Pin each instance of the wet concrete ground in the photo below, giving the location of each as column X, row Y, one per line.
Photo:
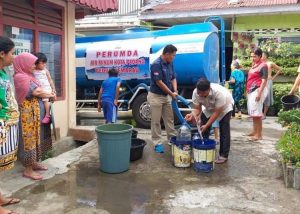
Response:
column 250, row 182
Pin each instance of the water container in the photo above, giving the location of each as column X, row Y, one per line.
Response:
column 290, row 102
column 196, row 136
column 184, row 133
column 114, row 142
column 204, row 153
column 137, row 147
column 181, row 153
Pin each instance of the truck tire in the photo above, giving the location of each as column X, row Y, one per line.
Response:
column 141, row 111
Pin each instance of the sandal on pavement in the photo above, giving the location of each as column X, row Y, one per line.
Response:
column 33, row 177
column 221, row 160
column 254, row 139
column 248, row 134
column 39, row 166
column 11, row 201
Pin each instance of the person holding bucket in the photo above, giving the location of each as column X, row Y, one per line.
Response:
column 218, row 103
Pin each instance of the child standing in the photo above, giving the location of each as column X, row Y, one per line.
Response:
column 216, row 128
column 237, row 82
column 108, row 96
column 44, row 78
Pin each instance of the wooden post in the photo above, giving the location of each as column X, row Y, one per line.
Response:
column 290, row 175
column 284, row 172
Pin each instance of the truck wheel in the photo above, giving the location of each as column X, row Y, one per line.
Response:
column 141, row 111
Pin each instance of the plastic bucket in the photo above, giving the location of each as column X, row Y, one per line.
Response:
column 134, row 133
column 290, row 102
column 181, row 153
column 204, row 153
column 114, row 142
column 137, row 148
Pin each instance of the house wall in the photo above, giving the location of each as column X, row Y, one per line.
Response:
column 248, row 29
column 267, row 21
column 65, row 110
column 111, row 23
column 65, row 107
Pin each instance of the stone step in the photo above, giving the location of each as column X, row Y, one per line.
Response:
column 82, row 133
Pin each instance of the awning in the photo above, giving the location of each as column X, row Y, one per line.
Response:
column 87, row 7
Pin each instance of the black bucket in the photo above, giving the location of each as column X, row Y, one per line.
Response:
column 137, row 147
column 134, row 133
column 290, row 102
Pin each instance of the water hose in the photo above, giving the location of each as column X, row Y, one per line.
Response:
column 177, row 111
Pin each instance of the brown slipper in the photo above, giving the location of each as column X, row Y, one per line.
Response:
column 248, row 134
column 254, row 139
column 221, row 160
column 11, row 201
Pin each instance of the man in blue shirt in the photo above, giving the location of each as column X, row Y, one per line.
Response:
column 108, row 96
column 163, row 89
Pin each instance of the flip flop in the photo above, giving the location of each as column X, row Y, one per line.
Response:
column 11, row 201
column 247, row 134
column 33, row 177
column 254, row 139
column 41, row 167
column 221, row 160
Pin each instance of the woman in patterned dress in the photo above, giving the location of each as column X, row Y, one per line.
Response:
column 9, row 118
column 28, row 92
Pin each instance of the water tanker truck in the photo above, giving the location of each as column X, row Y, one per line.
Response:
column 132, row 53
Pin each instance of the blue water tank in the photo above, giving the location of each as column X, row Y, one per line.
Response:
column 132, row 53
column 136, row 29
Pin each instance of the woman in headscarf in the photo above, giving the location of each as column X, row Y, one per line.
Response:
column 9, row 118
column 237, row 83
column 28, row 92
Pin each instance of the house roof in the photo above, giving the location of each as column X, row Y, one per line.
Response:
column 100, row 6
column 196, row 5
column 170, row 12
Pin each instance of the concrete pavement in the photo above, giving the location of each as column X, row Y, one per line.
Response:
column 250, row 182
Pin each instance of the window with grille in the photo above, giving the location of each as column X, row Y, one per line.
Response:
column 38, row 26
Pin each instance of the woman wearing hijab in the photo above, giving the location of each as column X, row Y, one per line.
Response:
column 28, row 91
column 9, row 118
column 237, row 83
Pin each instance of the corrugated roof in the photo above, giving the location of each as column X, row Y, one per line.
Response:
column 98, row 5
column 196, row 5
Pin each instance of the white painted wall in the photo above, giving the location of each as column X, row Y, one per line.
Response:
column 65, row 110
